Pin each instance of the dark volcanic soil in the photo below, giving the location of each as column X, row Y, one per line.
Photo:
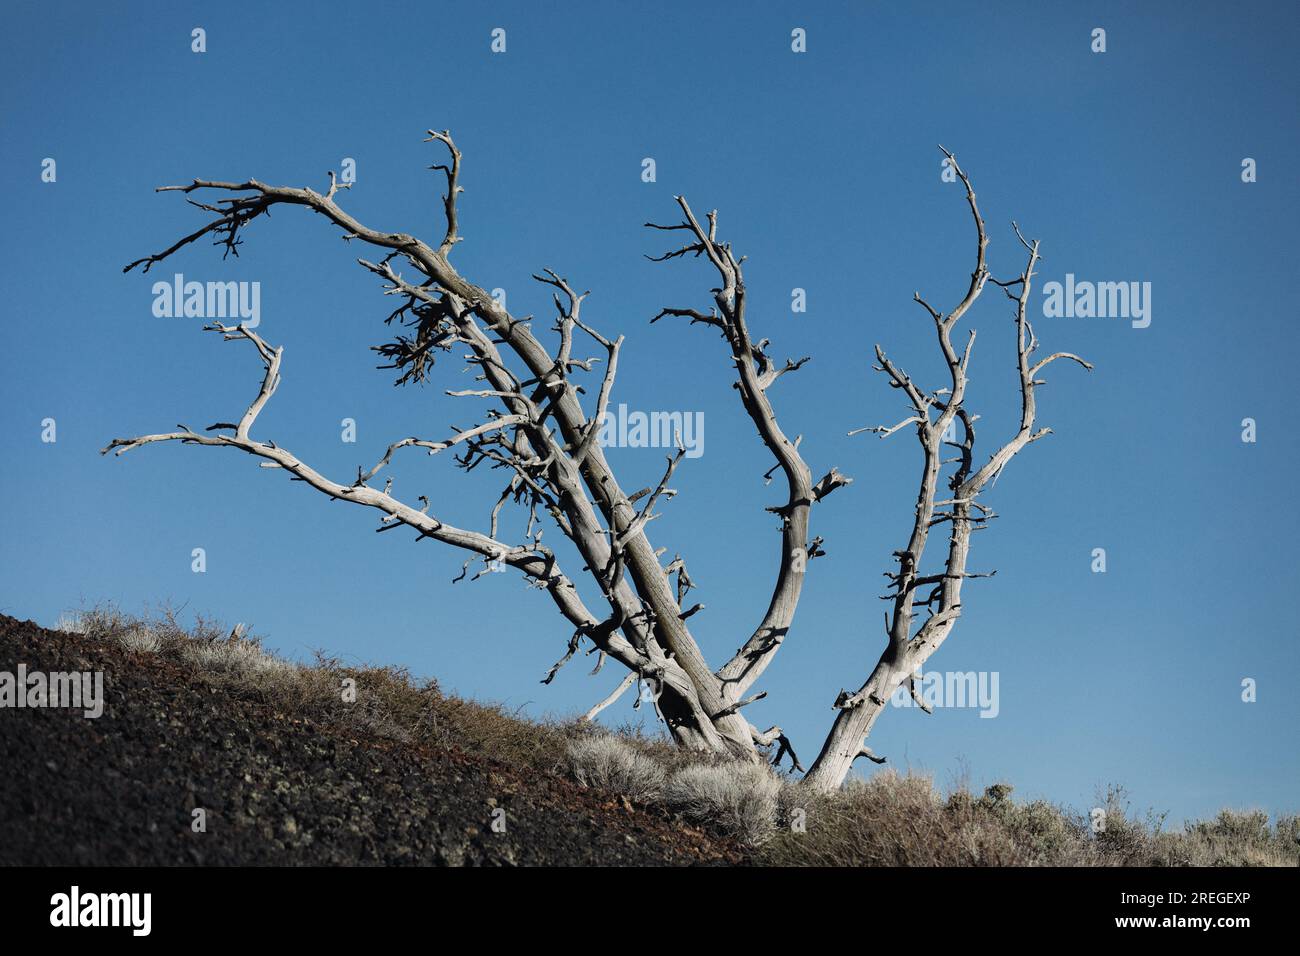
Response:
column 120, row 789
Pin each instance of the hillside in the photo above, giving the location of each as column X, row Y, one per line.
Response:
column 277, row 787
column 286, row 763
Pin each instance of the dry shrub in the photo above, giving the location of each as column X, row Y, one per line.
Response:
column 1233, row 838
column 735, row 798
column 611, row 763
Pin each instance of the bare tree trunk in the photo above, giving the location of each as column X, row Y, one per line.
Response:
column 846, row 741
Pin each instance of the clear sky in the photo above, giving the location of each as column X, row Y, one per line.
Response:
column 823, row 165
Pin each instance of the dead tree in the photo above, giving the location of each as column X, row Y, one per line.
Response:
column 537, row 434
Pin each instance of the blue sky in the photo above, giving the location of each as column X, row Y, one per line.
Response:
column 824, row 167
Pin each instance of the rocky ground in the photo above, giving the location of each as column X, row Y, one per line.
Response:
column 276, row 788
